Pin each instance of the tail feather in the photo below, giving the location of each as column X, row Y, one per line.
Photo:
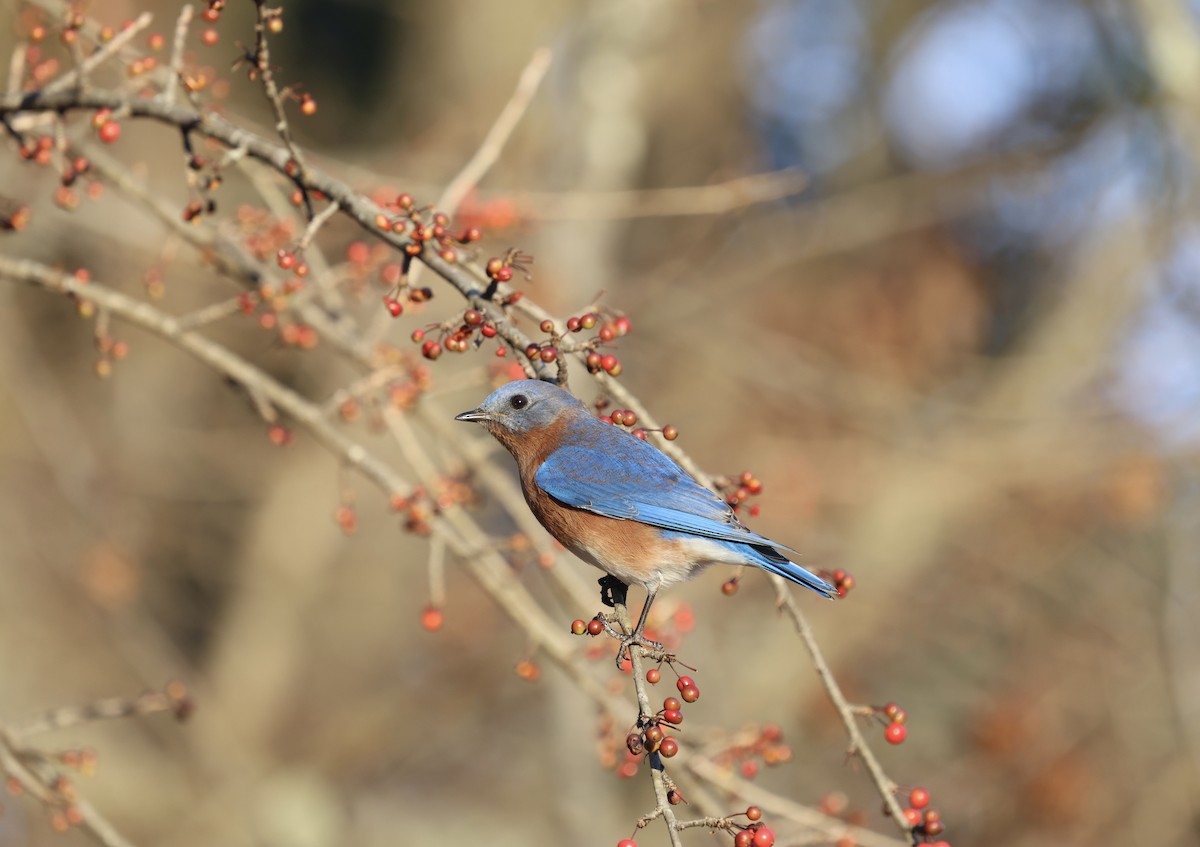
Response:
column 772, row 561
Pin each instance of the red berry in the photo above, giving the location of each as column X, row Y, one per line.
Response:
column 578, row 627
column 210, row 37
column 895, row 733
column 729, row 587
column 622, row 325
column 432, row 618
column 690, row 694
column 418, row 336
column 918, row 798
column 672, row 703
column 653, row 675
column 683, row 682
column 626, row 842
column 110, row 131
column 549, row 354
column 280, row 435
column 547, row 325
column 912, row 817
column 669, row 747
column 595, row 627
column 670, row 433
column 764, row 837
column 673, row 716
column 431, row 350
column 504, row 275
column 754, row 813
column 528, row 671
column 745, row 838
column 393, row 306
column 749, row 769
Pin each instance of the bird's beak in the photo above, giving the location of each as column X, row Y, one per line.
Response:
column 475, row 415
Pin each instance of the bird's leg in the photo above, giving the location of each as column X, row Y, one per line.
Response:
column 637, row 637
column 612, row 590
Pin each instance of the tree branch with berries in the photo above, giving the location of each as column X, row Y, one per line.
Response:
column 278, row 257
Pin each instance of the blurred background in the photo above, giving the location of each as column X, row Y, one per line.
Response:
column 964, row 361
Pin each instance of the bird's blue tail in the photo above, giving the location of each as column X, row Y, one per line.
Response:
column 772, row 561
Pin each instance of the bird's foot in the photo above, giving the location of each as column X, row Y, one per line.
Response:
column 612, row 591
column 651, row 649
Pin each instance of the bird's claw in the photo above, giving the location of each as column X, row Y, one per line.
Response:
column 636, row 640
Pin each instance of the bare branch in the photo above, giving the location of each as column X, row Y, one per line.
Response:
column 493, row 143
column 111, row 48
column 177, row 46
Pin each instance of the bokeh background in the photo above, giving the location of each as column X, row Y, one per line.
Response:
column 964, row 361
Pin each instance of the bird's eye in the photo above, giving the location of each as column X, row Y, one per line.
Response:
column 519, row 401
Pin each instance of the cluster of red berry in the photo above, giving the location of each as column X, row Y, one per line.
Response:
column 925, row 821
column 762, row 747
column 895, row 732
column 738, row 489
column 629, row 418
column 652, row 733
column 840, row 579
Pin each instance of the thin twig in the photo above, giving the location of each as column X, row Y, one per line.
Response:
column 493, row 143
column 316, row 223
column 489, row 150
column 76, row 75
column 832, row 828
column 858, row 745
column 16, row 70
column 33, row 777
column 176, row 66
column 686, row 201
column 109, row 708
column 262, row 66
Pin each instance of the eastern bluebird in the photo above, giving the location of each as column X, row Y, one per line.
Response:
column 617, row 502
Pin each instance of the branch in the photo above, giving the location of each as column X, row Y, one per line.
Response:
column 498, row 135
column 77, row 76
column 858, row 745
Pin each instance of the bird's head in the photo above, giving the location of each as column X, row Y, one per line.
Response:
column 520, row 408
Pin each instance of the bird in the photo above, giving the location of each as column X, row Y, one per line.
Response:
column 618, row 502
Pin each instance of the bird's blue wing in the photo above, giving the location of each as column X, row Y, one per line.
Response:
column 624, row 478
